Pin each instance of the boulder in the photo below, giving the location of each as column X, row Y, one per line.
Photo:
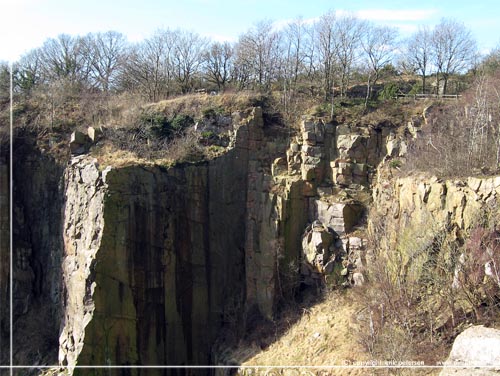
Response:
column 342, row 217
column 316, row 243
column 478, row 347
column 312, row 151
column 358, row 279
column 94, row 133
column 414, row 127
column 79, row 143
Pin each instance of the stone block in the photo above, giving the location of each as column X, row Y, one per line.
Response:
column 329, row 128
column 474, row 183
column 94, row 133
column 307, row 126
column 309, row 138
column 312, row 160
column 355, row 243
column 343, row 130
column 312, row 151
column 79, row 143
column 320, row 133
column 78, row 137
column 342, row 217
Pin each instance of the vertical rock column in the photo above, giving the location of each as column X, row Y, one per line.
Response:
column 261, row 243
column 83, row 228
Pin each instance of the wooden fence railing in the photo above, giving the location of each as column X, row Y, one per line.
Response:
column 428, row 96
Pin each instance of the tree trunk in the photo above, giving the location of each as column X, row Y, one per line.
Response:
column 445, row 84
column 368, row 90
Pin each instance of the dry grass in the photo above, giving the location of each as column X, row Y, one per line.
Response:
column 194, row 104
column 324, row 335
column 110, row 156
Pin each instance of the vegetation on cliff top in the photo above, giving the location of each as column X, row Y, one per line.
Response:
column 339, row 67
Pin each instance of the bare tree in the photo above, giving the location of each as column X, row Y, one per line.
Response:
column 418, row 53
column 144, row 70
column 378, row 44
column 348, row 33
column 258, row 52
column 106, row 53
column 295, row 44
column 310, row 52
column 454, row 50
column 326, row 50
column 219, row 63
column 149, row 68
column 64, row 58
column 187, row 57
column 29, row 71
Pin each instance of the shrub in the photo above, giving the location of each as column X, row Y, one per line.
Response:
column 463, row 137
column 426, row 284
column 389, row 91
column 185, row 148
column 207, row 134
column 212, row 112
column 155, row 125
column 180, row 122
column 417, row 88
column 395, row 163
column 324, row 109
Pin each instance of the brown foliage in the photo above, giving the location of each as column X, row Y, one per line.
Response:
column 463, row 138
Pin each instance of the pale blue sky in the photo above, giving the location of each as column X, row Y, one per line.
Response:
column 28, row 23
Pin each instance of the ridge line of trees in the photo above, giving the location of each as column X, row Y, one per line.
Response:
column 320, row 58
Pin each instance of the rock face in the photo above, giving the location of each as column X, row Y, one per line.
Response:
column 432, row 205
column 333, row 165
column 456, row 202
column 158, row 262
column 37, row 254
column 474, row 348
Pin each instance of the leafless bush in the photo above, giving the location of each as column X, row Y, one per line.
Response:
column 425, row 284
column 463, row 138
column 408, row 300
column 477, row 274
column 185, row 148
